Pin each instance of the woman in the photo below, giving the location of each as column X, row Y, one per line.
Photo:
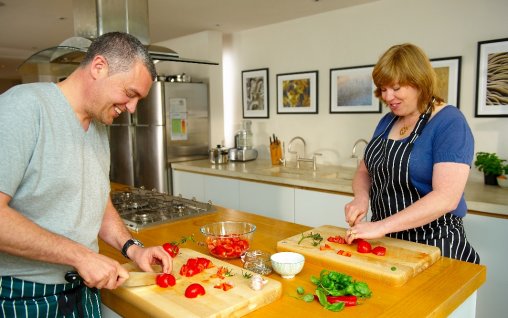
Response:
column 416, row 166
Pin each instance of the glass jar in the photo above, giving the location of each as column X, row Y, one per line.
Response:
column 257, row 261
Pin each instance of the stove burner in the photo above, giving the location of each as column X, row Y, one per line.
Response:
column 140, row 208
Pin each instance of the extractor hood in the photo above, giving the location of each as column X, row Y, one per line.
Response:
column 93, row 18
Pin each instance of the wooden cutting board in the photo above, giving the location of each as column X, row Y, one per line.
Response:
column 171, row 301
column 403, row 259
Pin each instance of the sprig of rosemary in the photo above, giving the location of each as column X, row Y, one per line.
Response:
column 316, row 238
column 184, row 239
column 246, row 275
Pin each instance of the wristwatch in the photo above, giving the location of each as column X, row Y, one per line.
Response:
column 128, row 244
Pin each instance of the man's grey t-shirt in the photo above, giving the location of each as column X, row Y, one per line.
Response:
column 56, row 172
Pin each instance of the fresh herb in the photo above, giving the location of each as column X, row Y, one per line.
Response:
column 316, row 238
column 246, row 275
column 184, row 239
column 393, row 268
column 228, row 272
column 338, row 284
column 306, row 298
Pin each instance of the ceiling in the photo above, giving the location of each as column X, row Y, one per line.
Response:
column 27, row 26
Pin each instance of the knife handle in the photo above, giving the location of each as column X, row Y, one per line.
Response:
column 72, row 277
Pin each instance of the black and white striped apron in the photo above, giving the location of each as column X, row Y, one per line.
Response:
column 25, row 299
column 391, row 191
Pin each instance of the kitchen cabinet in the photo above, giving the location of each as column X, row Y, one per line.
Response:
column 189, row 185
column 268, row 200
column 314, row 208
column 222, row 191
column 488, row 235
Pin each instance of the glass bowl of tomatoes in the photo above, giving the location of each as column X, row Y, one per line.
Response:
column 228, row 239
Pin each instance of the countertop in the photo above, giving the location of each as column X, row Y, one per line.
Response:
column 435, row 292
column 481, row 199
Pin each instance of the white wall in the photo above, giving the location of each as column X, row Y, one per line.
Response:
column 358, row 36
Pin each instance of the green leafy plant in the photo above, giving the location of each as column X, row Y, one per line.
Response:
column 490, row 164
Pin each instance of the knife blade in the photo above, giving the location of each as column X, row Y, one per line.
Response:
column 135, row 278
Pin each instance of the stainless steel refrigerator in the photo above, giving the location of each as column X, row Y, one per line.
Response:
column 170, row 125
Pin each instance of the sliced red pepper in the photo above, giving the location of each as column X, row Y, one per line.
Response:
column 379, row 250
column 337, row 239
column 325, row 247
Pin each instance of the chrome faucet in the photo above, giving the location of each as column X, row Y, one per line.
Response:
column 359, row 141
column 291, row 144
column 313, row 160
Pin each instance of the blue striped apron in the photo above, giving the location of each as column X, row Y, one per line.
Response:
column 25, row 299
column 391, row 191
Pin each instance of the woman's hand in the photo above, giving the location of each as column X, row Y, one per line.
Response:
column 356, row 210
column 365, row 230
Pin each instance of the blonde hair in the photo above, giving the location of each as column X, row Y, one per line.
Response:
column 407, row 64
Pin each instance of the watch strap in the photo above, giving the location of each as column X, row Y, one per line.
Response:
column 128, row 244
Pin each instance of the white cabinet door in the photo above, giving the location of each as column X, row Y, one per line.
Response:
column 222, row 191
column 488, row 236
column 313, row 208
column 189, row 185
column 267, row 199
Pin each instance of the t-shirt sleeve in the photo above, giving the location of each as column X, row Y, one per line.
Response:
column 18, row 134
column 454, row 141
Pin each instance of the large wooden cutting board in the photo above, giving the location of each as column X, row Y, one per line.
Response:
column 171, row 301
column 403, row 259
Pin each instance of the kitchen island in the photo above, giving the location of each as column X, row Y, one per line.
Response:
column 436, row 292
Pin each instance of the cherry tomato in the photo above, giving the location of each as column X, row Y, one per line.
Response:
column 363, row 247
column 379, row 250
column 227, row 247
column 337, row 239
column 194, row 290
column 171, row 249
column 195, row 266
column 164, row 280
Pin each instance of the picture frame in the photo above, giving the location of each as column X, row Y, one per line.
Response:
column 448, row 70
column 492, row 79
column 297, row 93
column 352, row 90
column 255, row 93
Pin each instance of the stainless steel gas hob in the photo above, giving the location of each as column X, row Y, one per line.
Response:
column 141, row 208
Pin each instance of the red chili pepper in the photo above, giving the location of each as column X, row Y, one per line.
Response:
column 349, row 300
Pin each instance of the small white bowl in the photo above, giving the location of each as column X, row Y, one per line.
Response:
column 503, row 181
column 287, row 264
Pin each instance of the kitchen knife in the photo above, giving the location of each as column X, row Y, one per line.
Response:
column 135, row 278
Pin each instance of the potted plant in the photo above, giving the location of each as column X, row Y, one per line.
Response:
column 491, row 166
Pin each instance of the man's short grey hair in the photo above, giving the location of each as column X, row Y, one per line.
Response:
column 120, row 50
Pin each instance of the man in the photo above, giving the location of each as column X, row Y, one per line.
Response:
column 54, row 184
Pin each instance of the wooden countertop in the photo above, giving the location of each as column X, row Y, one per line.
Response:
column 436, row 292
column 481, row 199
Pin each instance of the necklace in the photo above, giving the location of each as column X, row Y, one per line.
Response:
column 403, row 130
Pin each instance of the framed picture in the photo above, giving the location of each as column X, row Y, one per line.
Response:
column 352, row 90
column 492, row 79
column 297, row 93
column 255, row 93
column 448, row 78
